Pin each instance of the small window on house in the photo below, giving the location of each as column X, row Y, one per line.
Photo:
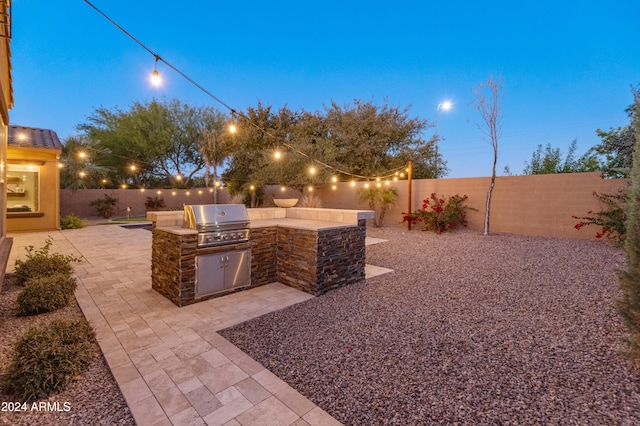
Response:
column 23, row 188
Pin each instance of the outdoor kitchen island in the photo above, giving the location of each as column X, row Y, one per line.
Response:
column 310, row 249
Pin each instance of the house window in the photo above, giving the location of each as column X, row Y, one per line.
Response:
column 23, row 188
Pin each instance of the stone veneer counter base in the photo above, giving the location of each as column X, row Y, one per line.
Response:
column 313, row 250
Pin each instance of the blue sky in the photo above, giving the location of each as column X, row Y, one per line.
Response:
column 567, row 66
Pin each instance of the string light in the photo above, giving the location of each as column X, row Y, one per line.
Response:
column 312, row 170
column 277, row 155
column 211, row 95
column 155, row 77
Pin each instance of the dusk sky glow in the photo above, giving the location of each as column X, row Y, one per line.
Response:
column 567, row 66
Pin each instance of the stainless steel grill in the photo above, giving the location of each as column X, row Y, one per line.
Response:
column 217, row 224
column 220, row 225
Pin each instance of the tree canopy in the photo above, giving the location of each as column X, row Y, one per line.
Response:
column 151, row 144
column 363, row 139
column 549, row 160
column 618, row 144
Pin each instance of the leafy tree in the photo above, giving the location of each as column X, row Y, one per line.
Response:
column 489, row 110
column 261, row 134
column 152, row 142
column 363, row 139
column 79, row 170
column 618, row 144
column 370, row 138
column 550, row 161
column 629, row 303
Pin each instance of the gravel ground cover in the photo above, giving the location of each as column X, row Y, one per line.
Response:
column 502, row 329
column 92, row 398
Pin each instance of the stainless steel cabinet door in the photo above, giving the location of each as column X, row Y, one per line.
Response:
column 238, row 268
column 210, row 273
column 222, row 271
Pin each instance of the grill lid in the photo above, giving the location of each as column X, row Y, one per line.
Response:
column 203, row 217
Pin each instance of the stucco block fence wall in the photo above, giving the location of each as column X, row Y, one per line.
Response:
column 539, row 205
column 529, row 205
column 77, row 202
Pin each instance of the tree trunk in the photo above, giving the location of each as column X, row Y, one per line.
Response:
column 488, row 205
column 215, row 184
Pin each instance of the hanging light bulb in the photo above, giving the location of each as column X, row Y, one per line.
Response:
column 334, row 187
column 155, row 77
column 310, row 188
column 334, row 179
column 277, row 155
column 312, row 170
column 283, row 188
column 232, row 128
column 353, row 183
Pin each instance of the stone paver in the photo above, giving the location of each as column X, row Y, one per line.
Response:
column 170, row 363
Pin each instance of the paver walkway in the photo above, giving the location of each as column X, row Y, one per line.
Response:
column 170, row 363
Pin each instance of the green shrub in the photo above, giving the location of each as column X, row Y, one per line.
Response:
column 380, row 199
column 46, row 357
column 41, row 263
column 440, row 215
column 311, row 201
column 71, row 221
column 611, row 219
column 46, row 294
column 104, row 206
column 154, row 204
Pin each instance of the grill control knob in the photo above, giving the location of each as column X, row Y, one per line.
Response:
column 225, row 237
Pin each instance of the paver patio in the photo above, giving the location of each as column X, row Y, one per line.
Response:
column 170, row 363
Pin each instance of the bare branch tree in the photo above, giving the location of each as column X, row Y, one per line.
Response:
column 489, row 109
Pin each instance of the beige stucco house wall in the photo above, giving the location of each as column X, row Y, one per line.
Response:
column 6, row 102
column 32, row 179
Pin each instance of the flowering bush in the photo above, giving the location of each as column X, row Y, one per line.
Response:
column 611, row 220
column 439, row 215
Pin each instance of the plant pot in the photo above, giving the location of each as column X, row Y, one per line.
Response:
column 285, row 202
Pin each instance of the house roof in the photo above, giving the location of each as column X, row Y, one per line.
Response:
column 29, row 137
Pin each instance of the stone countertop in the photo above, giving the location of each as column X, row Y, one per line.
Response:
column 297, row 218
column 308, row 224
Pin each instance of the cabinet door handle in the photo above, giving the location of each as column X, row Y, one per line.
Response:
column 222, row 264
